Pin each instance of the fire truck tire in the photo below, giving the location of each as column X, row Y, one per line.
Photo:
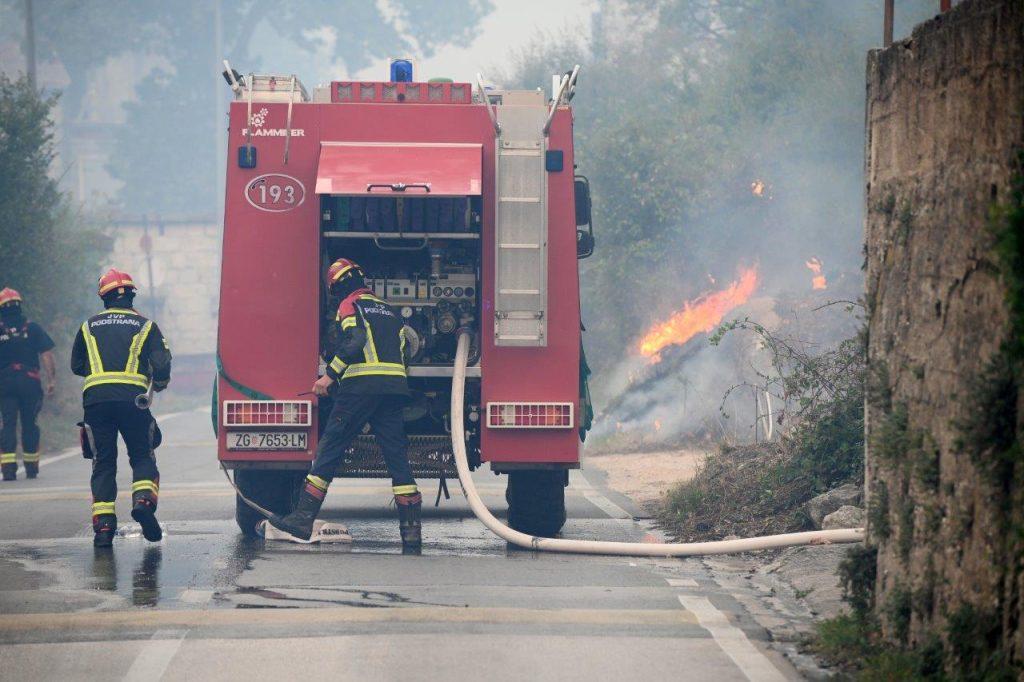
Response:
column 276, row 491
column 536, row 502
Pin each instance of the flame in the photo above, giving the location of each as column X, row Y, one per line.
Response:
column 759, row 188
column 818, row 281
column 700, row 315
column 657, row 425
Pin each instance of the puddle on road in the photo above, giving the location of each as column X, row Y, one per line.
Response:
column 199, row 564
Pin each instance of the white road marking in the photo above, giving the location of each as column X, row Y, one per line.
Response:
column 604, row 504
column 76, row 452
column 192, row 596
column 754, row 664
column 67, row 454
column 156, row 655
column 682, row 582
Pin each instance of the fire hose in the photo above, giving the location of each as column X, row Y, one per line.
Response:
column 818, row 537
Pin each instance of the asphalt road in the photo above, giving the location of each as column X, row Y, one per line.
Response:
column 207, row 604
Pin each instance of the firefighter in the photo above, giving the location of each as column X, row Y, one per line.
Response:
column 368, row 376
column 121, row 353
column 24, row 348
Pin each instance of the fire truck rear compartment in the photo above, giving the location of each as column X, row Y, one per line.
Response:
column 422, row 255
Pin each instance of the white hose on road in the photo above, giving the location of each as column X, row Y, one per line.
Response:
column 818, row 537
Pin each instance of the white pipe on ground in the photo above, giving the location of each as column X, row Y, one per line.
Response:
column 818, row 537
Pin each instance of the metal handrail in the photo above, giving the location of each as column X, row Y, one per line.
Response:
column 490, row 112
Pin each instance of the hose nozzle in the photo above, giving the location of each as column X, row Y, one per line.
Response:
column 144, row 400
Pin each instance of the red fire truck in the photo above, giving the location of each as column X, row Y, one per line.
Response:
column 463, row 208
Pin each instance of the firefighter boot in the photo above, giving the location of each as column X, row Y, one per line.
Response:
column 31, row 464
column 144, row 511
column 409, row 507
column 300, row 522
column 104, row 524
column 9, row 466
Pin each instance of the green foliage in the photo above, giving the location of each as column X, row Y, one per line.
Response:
column 761, row 489
column 891, row 439
column 857, row 574
column 167, row 154
column 676, row 121
column 45, row 252
column 1006, row 222
column 905, row 506
column 878, row 511
column 897, row 611
column 845, row 641
column 975, row 649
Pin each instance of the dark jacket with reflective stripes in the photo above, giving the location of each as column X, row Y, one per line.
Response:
column 119, row 352
column 370, row 358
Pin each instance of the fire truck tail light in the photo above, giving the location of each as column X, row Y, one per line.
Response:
column 267, row 413
column 529, row 415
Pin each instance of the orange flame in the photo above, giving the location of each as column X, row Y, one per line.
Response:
column 700, row 315
column 757, row 188
column 818, row 281
column 657, row 425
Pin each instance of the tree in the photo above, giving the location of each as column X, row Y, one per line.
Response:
column 47, row 256
column 167, row 153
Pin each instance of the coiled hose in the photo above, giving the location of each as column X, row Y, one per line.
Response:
column 818, row 537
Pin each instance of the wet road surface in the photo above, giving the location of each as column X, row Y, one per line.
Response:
column 206, row 603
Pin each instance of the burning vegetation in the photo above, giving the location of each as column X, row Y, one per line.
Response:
column 818, row 281
column 700, row 315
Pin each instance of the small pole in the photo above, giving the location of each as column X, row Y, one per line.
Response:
column 30, row 45
column 887, row 24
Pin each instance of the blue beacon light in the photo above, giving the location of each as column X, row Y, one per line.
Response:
column 401, row 71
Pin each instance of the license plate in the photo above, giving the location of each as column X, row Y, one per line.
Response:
column 267, row 440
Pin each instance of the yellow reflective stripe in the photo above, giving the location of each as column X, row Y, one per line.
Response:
column 99, row 508
column 401, row 342
column 145, row 485
column 135, row 350
column 370, row 348
column 318, row 482
column 95, row 361
column 337, row 364
column 140, row 380
column 8, row 457
column 349, row 321
column 122, row 311
column 392, row 369
column 341, row 272
column 30, row 456
column 404, row 489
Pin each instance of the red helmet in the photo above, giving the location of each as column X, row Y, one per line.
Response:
column 8, row 296
column 115, row 279
column 341, row 269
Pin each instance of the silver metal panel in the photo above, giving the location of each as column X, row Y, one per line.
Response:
column 521, row 230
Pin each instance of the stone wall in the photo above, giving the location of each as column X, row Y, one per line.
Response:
column 944, row 128
column 185, row 265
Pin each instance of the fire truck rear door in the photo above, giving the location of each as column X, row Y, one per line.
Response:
column 435, row 170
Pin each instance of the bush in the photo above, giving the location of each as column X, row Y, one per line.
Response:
column 759, row 489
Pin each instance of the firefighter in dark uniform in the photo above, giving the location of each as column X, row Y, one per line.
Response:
column 368, row 376
column 120, row 353
column 24, row 348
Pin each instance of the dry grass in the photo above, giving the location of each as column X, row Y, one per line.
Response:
column 745, row 491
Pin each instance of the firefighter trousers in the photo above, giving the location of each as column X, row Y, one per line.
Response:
column 137, row 428
column 21, row 396
column 384, row 414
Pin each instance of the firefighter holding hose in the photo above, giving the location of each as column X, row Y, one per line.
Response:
column 368, row 375
column 121, row 354
column 27, row 370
